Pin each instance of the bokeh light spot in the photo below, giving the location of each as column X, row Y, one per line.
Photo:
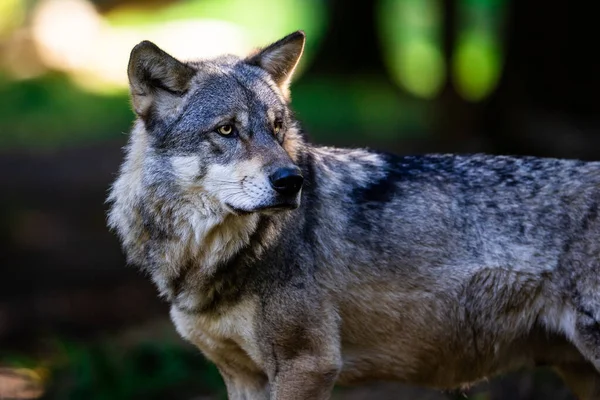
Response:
column 476, row 67
column 412, row 44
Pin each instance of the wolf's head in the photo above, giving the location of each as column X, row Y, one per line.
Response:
column 219, row 128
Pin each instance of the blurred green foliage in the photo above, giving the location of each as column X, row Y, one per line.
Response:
column 478, row 55
column 411, row 36
column 50, row 111
column 348, row 109
column 262, row 19
column 160, row 368
column 103, row 370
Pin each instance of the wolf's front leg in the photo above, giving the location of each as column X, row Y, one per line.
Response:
column 243, row 386
column 302, row 340
column 305, row 378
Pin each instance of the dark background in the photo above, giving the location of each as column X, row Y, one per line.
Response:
column 412, row 76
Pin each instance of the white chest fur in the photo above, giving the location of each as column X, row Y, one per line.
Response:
column 230, row 337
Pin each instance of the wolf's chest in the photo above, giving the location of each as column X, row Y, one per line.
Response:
column 229, row 337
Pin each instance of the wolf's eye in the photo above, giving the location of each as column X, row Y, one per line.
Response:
column 277, row 126
column 225, row 130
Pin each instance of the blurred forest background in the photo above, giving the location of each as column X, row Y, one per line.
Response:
column 411, row 76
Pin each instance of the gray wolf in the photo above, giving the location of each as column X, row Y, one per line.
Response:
column 294, row 266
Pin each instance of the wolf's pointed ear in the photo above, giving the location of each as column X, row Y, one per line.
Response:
column 280, row 59
column 156, row 78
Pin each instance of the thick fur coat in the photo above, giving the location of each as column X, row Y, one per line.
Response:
column 436, row 270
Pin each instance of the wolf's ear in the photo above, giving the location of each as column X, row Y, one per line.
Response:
column 280, row 59
column 156, row 78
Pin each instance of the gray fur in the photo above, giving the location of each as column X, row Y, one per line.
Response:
column 436, row 270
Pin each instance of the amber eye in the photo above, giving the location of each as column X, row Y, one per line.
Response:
column 225, row 130
column 277, row 126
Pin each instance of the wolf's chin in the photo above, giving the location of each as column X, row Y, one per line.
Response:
column 236, row 210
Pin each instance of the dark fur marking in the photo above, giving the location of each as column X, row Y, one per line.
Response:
column 310, row 200
column 161, row 130
column 214, row 146
column 377, row 194
column 154, row 124
column 157, row 83
column 231, row 280
column 590, row 216
column 295, row 340
column 380, row 191
column 177, row 284
column 235, row 277
column 155, row 230
column 408, row 168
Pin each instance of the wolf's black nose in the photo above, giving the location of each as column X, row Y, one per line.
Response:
column 287, row 181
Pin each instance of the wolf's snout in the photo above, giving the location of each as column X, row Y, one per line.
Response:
column 287, row 181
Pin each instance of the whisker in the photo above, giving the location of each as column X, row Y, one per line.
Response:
column 226, row 181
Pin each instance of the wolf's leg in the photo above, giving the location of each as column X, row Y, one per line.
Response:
column 582, row 323
column 302, row 345
column 577, row 284
column 582, row 379
column 243, row 386
column 305, row 378
column 586, row 337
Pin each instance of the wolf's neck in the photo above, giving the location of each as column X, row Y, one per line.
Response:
column 200, row 241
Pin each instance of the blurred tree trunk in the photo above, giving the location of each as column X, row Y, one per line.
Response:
column 547, row 101
column 455, row 127
column 351, row 45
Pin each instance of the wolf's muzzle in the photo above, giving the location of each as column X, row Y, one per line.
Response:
column 287, row 181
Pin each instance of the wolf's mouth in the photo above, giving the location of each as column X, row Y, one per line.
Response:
column 270, row 208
